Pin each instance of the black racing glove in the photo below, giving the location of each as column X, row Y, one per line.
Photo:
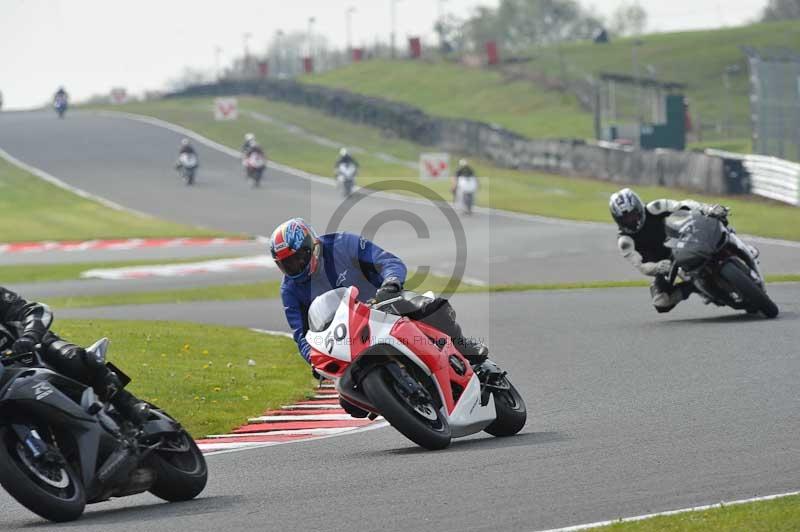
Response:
column 720, row 212
column 23, row 344
column 390, row 288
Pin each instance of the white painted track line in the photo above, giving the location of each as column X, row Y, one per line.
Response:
column 598, row 524
column 309, row 418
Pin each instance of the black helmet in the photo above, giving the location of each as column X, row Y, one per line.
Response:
column 627, row 210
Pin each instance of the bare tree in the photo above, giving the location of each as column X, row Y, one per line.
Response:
column 629, row 19
column 781, row 10
column 520, row 24
column 188, row 77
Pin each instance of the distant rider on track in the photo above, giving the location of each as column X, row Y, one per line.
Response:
column 345, row 158
column 249, row 144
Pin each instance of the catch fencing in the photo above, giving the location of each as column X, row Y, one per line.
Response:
column 713, row 173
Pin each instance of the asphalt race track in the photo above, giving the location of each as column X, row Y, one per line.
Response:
column 130, row 163
column 630, row 412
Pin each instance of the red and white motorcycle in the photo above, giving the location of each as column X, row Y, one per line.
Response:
column 254, row 166
column 408, row 371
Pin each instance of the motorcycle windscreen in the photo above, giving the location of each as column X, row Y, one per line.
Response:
column 697, row 240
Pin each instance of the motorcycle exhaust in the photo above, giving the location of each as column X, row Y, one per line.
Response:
column 118, row 466
column 140, row 481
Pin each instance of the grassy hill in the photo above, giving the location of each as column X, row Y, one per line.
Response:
column 455, row 91
column 697, row 58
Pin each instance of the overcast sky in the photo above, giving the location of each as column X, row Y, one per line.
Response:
column 90, row 46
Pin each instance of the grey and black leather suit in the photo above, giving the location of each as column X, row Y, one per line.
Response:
column 32, row 321
column 646, row 251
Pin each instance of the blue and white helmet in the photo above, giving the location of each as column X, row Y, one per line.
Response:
column 628, row 211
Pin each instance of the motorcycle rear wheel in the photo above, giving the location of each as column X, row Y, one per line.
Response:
column 432, row 434
column 180, row 475
column 57, row 494
column 748, row 289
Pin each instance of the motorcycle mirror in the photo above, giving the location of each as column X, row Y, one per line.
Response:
column 98, row 350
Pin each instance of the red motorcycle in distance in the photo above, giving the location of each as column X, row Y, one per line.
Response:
column 254, row 165
column 408, row 371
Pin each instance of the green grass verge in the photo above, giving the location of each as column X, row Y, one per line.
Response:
column 778, row 515
column 36, row 273
column 271, row 289
column 527, row 192
column 32, row 209
column 200, row 373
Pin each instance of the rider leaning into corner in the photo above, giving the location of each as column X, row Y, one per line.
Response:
column 642, row 232
column 313, row 265
column 29, row 324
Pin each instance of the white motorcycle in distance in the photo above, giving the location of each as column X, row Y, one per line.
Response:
column 187, row 167
column 466, row 188
column 254, row 165
column 346, row 177
column 408, row 371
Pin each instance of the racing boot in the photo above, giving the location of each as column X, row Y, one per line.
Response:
column 109, row 388
column 685, row 289
column 352, row 409
column 473, row 350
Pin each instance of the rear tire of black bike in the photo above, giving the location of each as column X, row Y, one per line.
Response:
column 752, row 294
column 179, row 476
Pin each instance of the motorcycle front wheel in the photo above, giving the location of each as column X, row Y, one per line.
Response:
column 421, row 423
column 750, row 292
column 52, row 490
column 511, row 411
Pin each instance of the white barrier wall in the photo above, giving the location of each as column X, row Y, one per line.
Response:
column 770, row 177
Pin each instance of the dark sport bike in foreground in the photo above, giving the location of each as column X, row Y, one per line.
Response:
column 62, row 448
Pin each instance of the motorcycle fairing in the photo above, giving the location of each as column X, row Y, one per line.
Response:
column 37, row 391
column 387, row 334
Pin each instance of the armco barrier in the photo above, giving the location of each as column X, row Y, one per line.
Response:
column 704, row 172
column 769, row 176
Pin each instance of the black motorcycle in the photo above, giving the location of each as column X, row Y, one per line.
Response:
column 62, row 448
column 704, row 253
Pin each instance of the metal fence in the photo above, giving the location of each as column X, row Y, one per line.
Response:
column 775, row 102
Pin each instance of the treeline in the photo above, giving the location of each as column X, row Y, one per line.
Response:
column 517, row 25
